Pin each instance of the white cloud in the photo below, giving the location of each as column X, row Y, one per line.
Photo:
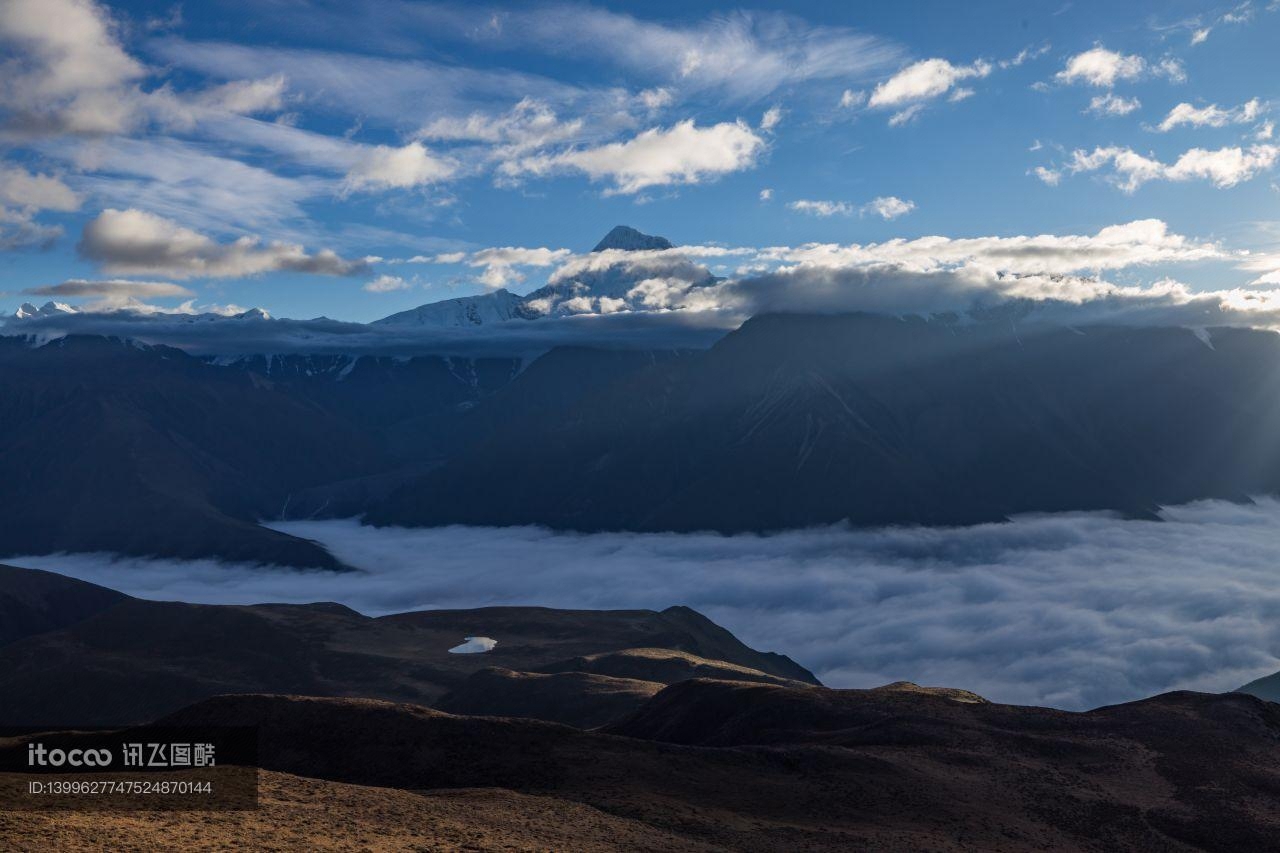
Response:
column 924, row 80
column 681, row 154
column 67, row 71
column 1211, row 116
column 247, row 97
column 1071, row 611
column 386, row 284
column 135, row 242
column 500, row 264
column 1224, row 167
column 850, row 98
column 742, row 54
column 23, row 195
column 770, row 119
column 905, row 116
column 1139, row 243
column 1052, row 177
column 656, row 98
column 1101, row 67
column 32, row 191
column 888, row 207
column 384, row 166
column 1201, row 35
column 185, row 182
column 529, row 125
column 766, row 194
column 1112, row 104
column 821, row 208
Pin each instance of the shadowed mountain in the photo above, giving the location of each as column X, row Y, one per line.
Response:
column 797, row 420
column 34, row 602
column 127, row 660
column 764, row 767
column 108, row 446
column 116, row 447
column 1267, row 687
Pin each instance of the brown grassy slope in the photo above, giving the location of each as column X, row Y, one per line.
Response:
column 831, row 770
column 312, row 814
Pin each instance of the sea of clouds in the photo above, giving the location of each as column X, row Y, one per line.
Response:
column 1067, row 610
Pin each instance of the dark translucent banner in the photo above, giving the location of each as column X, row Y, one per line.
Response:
column 152, row 768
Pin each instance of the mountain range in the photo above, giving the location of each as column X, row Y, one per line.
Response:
column 790, row 420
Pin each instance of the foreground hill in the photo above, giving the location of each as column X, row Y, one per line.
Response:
column 799, row 420
column 76, row 653
column 771, row 768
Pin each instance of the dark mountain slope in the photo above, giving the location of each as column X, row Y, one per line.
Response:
column 107, row 446
column 128, row 660
column 800, row 420
column 842, row 770
column 33, row 602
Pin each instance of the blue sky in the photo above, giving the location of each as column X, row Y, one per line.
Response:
column 297, row 155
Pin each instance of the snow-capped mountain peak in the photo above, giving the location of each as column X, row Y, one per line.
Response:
column 628, row 239
column 27, row 311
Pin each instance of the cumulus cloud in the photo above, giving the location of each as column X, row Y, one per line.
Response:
column 1104, row 68
column 924, row 80
column 65, row 71
column 1112, row 104
column 770, row 119
column 23, row 195
column 681, row 154
column 888, row 207
column 1070, row 611
column 1211, row 115
column 386, row 166
column 135, row 242
column 1224, row 167
column 500, row 264
column 34, row 191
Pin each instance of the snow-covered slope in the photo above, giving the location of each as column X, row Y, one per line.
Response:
column 630, row 240
column 496, row 307
column 27, row 311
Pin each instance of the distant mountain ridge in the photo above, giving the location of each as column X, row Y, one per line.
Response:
column 800, row 420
